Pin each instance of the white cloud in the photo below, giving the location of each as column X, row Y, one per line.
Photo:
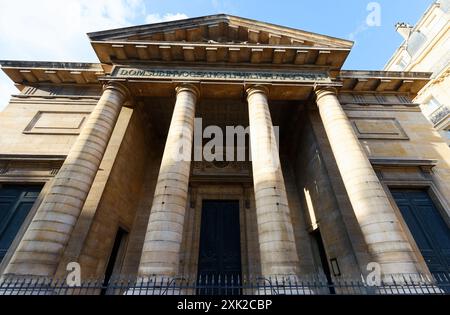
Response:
column 157, row 18
column 6, row 89
column 56, row 29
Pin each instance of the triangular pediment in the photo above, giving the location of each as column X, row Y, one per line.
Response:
column 221, row 38
column 220, row 28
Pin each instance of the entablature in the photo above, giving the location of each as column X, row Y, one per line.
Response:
column 29, row 73
column 57, row 77
column 383, row 81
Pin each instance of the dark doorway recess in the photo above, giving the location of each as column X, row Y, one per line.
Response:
column 427, row 226
column 116, row 258
column 219, row 263
column 323, row 259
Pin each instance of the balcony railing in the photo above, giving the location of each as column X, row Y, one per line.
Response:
column 228, row 285
column 439, row 114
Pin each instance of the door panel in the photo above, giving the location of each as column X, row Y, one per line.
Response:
column 427, row 226
column 220, row 251
column 15, row 204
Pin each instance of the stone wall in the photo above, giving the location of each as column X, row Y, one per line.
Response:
column 420, row 141
column 45, row 126
column 302, row 237
column 139, row 227
column 324, row 199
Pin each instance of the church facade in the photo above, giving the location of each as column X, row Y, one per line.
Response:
column 219, row 145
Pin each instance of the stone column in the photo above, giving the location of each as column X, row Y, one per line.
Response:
column 44, row 241
column 275, row 230
column 160, row 254
column 381, row 229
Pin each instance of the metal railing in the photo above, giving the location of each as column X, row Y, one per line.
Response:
column 227, row 285
column 439, row 114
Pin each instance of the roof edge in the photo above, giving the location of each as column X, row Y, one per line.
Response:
column 103, row 33
column 100, row 35
column 384, row 74
column 50, row 64
column 346, row 42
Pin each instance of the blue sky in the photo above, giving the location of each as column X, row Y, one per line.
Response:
column 55, row 29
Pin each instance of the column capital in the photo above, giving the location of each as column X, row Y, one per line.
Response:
column 188, row 87
column 118, row 86
column 324, row 90
column 258, row 88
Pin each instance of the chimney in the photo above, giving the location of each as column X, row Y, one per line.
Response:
column 404, row 29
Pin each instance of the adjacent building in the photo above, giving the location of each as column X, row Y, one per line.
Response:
column 426, row 47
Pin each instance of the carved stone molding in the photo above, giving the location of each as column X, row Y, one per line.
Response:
column 378, row 128
column 27, row 168
column 57, row 123
column 401, row 169
column 223, row 170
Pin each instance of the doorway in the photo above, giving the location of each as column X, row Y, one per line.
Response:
column 323, row 259
column 116, row 257
column 427, row 226
column 219, row 263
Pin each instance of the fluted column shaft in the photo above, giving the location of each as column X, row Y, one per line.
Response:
column 381, row 229
column 275, row 230
column 161, row 251
column 43, row 243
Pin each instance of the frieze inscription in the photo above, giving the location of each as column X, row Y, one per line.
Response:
column 189, row 74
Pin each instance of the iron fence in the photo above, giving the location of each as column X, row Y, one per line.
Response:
column 227, row 285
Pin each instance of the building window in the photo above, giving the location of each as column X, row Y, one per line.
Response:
column 402, row 63
column 416, row 43
column 15, row 203
column 446, row 134
column 431, row 105
column 428, row 24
